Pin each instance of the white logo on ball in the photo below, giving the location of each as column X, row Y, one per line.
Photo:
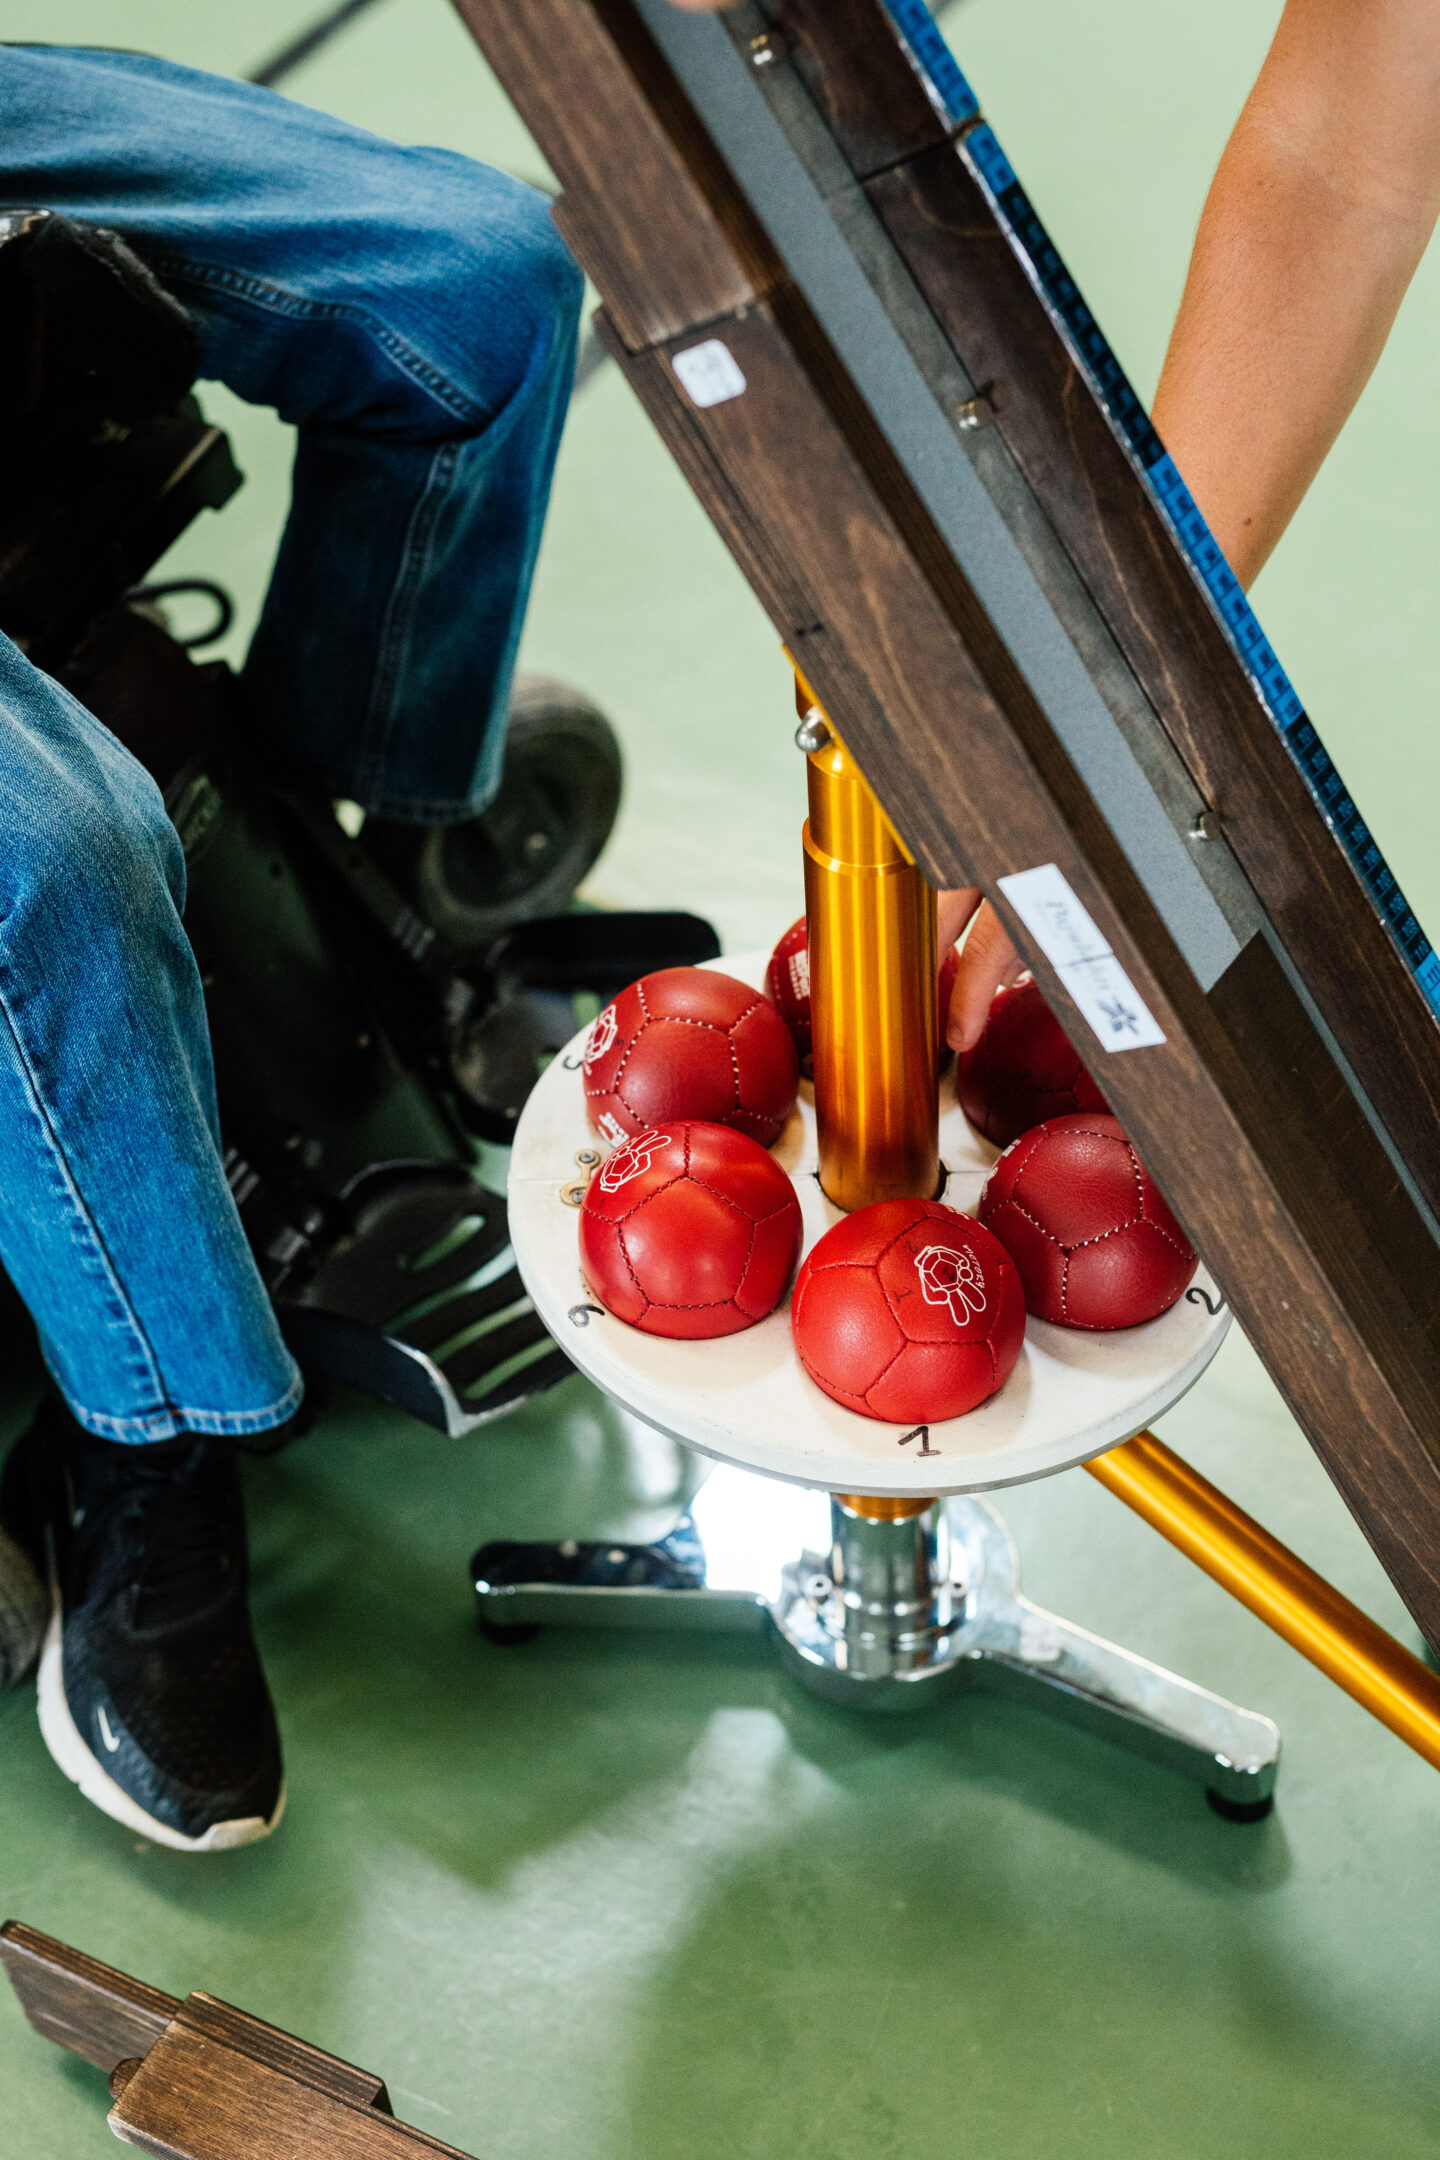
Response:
column 602, row 1034
column 632, row 1161
column 952, row 1278
column 611, row 1128
column 800, row 972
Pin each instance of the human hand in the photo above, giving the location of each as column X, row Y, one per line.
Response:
column 987, row 960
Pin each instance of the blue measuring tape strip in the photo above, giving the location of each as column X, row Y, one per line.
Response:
column 954, row 98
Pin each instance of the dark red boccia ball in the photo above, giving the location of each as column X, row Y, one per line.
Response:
column 1081, row 1218
column 689, row 1230
column 690, row 1043
column 1023, row 1070
column 908, row 1311
column 787, row 985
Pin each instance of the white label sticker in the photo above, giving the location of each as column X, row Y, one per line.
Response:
column 710, row 373
column 1084, row 962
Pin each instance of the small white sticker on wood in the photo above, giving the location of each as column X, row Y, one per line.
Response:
column 1070, row 941
column 710, row 373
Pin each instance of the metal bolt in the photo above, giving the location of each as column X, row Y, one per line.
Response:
column 813, row 732
column 766, row 49
column 588, row 1157
column 573, row 1195
column 1206, row 826
column 980, row 410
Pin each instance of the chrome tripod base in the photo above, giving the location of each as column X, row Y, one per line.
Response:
column 881, row 1616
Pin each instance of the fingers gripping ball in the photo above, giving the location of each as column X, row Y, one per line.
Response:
column 1023, row 1070
column 690, row 1230
column 689, row 1043
column 787, row 985
column 1077, row 1212
column 949, row 969
column 910, row 1312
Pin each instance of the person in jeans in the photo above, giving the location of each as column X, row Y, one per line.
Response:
column 414, row 315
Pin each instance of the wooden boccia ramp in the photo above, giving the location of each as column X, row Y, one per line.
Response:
column 827, row 287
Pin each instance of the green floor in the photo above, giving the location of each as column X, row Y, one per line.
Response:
column 626, row 1900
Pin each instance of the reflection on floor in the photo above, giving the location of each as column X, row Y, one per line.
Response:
column 609, row 1898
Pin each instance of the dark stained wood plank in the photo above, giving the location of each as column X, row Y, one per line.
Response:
column 116, row 2023
column 281, row 2051
column 776, row 581
column 878, row 113
column 663, row 232
column 193, row 2098
column 1341, row 1188
column 80, row 2004
column 944, row 229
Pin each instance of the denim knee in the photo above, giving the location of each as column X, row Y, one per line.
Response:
column 86, row 847
column 553, row 282
column 540, row 284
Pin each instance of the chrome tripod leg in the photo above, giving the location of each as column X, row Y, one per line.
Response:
column 1025, row 1651
column 882, row 1616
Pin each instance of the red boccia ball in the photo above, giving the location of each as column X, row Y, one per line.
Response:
column 787, row 985
column 690, row 1043
column 1023, row 1069
column 1079, row 1215
column 908, row 1311
column 689, row 1230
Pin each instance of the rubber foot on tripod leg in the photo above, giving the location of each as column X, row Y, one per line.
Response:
column 1240, row 1811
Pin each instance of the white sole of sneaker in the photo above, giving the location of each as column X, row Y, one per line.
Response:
column 62, row 1737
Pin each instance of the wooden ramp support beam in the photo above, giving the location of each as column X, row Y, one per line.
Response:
column 199, row 2080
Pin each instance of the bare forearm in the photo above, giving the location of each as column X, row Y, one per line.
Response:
column 1319, row 213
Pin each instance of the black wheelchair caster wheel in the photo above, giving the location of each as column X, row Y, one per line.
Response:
column 524, row 856
column 1239, row 1811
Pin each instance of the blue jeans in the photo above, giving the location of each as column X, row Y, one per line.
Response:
column 413, row 314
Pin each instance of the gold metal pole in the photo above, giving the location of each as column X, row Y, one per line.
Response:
column 872, row 1004
column 1287, row 1595
column 871, row 918
column 876, row 1508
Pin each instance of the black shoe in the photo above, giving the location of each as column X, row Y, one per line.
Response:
column 151, row 1694
column 23, row 1606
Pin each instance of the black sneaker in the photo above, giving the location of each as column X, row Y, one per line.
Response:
column 23, row 1606
column 151, row 1694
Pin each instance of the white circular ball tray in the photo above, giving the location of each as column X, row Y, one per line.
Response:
column 746, row 1399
